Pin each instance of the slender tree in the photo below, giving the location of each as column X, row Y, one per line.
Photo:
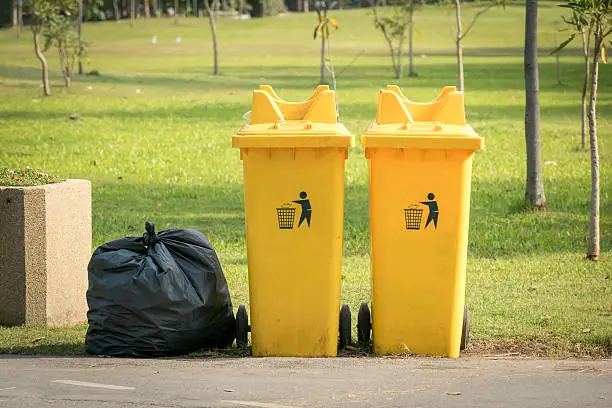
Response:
column 411, row 71
column 41, row 11
column 322, row 28
column 18, row 16
column 583, row 26
column 132, row 12
column 61, row 32
column 585, row 36
column 597, row 16
column 211, row 9
column 461, row 34
column 396, row 22
column 15, row 19
column 80, row 31
column 116, row 10
column 534, row 191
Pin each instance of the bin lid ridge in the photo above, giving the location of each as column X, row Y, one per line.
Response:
column 276, row 123
column 438, row 124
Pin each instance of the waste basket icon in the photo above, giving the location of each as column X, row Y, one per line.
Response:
column 413, row 217
column 294, row 154
column 419, row 226
column 286, row 216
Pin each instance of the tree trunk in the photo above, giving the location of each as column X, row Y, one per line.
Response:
column 305, row 6
column 147, row 9
column 585, row 87
column 213, row 31
column 64, row 63
column 176, row 6
column 400, row 60
column 132, row 12
column 67, row 79
column 15, row 19
column 116, row 10
column 333, row 78
column 459, row 46
column 43, row 63
column 410, row 53
column 534, row 191
column 558, row 62
column 322, row 79
column 20, row 14
column 593, row 249
column 79, row 28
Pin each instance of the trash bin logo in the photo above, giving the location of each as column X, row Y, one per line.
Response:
column 286, row 216
column 286, row 213
column 414, row 214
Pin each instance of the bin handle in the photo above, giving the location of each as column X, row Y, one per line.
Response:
column 409, row 125
column 307, row 124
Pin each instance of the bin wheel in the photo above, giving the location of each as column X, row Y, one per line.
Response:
column 364, row 325
column 242, row 327
column 345, row 326
column 465, row 334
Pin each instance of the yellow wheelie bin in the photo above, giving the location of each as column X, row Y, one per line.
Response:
column 293, row 158
column 419, row 187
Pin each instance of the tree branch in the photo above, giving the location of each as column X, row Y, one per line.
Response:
column 480, row 13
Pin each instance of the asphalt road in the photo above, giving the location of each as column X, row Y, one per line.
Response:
column 292, row 382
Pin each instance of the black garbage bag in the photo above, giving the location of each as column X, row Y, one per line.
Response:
column 157, row 295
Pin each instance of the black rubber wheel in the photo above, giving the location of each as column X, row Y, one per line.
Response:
column 242, row 327
column 465, row 334
column 364, row 325
column 344, row 327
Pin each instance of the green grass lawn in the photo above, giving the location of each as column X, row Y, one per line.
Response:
column 155, row 140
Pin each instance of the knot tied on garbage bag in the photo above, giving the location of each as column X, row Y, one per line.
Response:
column 150, row 237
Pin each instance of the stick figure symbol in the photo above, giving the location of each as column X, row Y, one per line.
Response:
column 306, row 208
column 433, row 210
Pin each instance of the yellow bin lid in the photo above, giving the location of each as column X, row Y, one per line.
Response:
column 274, row 122
column 289, row 134
column 421, row 135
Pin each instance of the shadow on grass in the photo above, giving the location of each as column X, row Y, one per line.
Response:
column 123, row 208
column 479, row 76
column 489, row 52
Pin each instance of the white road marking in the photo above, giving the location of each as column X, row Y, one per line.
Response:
column 93, row 385
column 9, row 388
column 257, row 404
